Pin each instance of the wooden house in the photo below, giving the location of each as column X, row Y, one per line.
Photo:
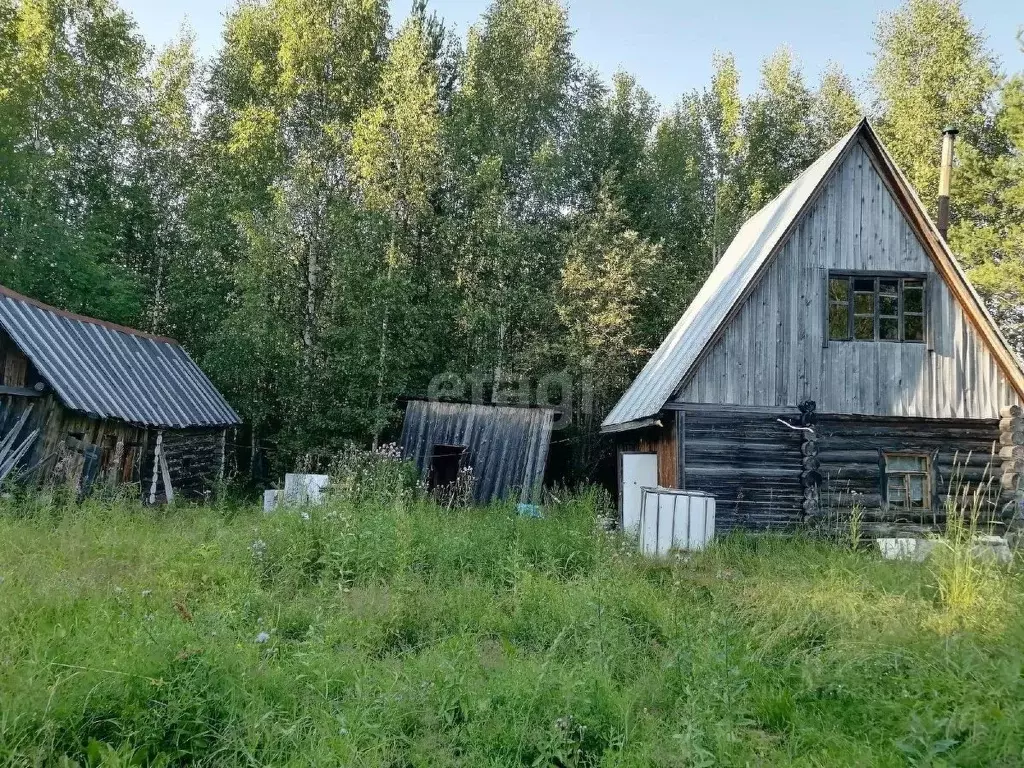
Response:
column 104, row 404
column 836, row 359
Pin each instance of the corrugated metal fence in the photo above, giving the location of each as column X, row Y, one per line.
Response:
column 506, row 446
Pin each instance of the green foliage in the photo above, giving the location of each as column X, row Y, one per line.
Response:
column 335, row 209
column 932, row 69
column 374, row 633
column 71, row 105
column 380, row 473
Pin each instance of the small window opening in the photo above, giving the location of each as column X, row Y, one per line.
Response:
column 445, row 462
column 908, row 481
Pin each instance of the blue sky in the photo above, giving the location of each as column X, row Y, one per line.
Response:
column 667, row 44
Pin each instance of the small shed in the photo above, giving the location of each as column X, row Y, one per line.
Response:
column 107, row 404
column 506, row 446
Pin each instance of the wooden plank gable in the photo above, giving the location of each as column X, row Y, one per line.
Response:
column 772, row 350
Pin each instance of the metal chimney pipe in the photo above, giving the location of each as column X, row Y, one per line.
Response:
column 945, row 173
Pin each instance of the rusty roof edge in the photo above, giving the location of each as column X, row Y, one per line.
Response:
column 11, row 294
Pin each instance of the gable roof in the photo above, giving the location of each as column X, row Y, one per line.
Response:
column 746, row 260
column 110, row 371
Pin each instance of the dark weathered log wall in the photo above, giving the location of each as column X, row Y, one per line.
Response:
column 750, row 462
column 195, row 461
column 964, row 454
column 72, row 448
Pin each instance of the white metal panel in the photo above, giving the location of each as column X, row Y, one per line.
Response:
column 639, row 471
column 666, row 520
column 675, row 520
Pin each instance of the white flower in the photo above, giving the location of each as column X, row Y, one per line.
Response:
column 262, row 637
column 147, row 592
column 258, row 548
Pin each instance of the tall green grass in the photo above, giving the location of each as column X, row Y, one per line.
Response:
column 400, row 634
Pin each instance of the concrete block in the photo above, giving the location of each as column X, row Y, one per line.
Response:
column 271, row 499
column 994, row 547
column 304, row 489
column 913, row 549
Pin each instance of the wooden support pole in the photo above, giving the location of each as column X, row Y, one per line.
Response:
column 223, row 453
column 166, row 475
column 156, row 466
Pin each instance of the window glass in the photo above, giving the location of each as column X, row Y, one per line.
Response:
column 839, row 289
column 898, row 462
column 913, row 328
column 864, row 328
column 908, row 481
column 865, row 308
column 864, row 303
column 839, row 321
column 913, row 299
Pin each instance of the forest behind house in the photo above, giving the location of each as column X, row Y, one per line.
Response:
column 339, row 206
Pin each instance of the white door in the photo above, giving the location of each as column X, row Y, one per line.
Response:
column 639, row 470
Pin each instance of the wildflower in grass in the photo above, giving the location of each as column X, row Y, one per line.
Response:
column 147, row 592
column 258, row 549
column 262, row 637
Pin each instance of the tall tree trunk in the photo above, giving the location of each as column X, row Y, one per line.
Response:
column 383, row 356
column 309, row 313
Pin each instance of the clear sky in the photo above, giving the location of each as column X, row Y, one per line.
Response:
column 667, row 44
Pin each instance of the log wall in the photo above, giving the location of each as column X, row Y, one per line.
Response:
column 75, row 449
column 195, row 460
column 751, row 463
column 767, row 476
column 963, row 453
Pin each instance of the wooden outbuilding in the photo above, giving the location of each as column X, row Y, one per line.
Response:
column 836, row 364
column 102, row 404
column 504, row 446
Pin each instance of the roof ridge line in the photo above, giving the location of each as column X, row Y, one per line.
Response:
column 11, row 294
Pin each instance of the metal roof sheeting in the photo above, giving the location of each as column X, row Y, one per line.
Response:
column 741, row 263
column 111, row 372
column 507, row 446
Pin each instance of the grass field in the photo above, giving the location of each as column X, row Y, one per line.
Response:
column 401, row 635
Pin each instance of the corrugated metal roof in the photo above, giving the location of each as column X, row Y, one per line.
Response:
column 740, row 264
column 112, row 372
